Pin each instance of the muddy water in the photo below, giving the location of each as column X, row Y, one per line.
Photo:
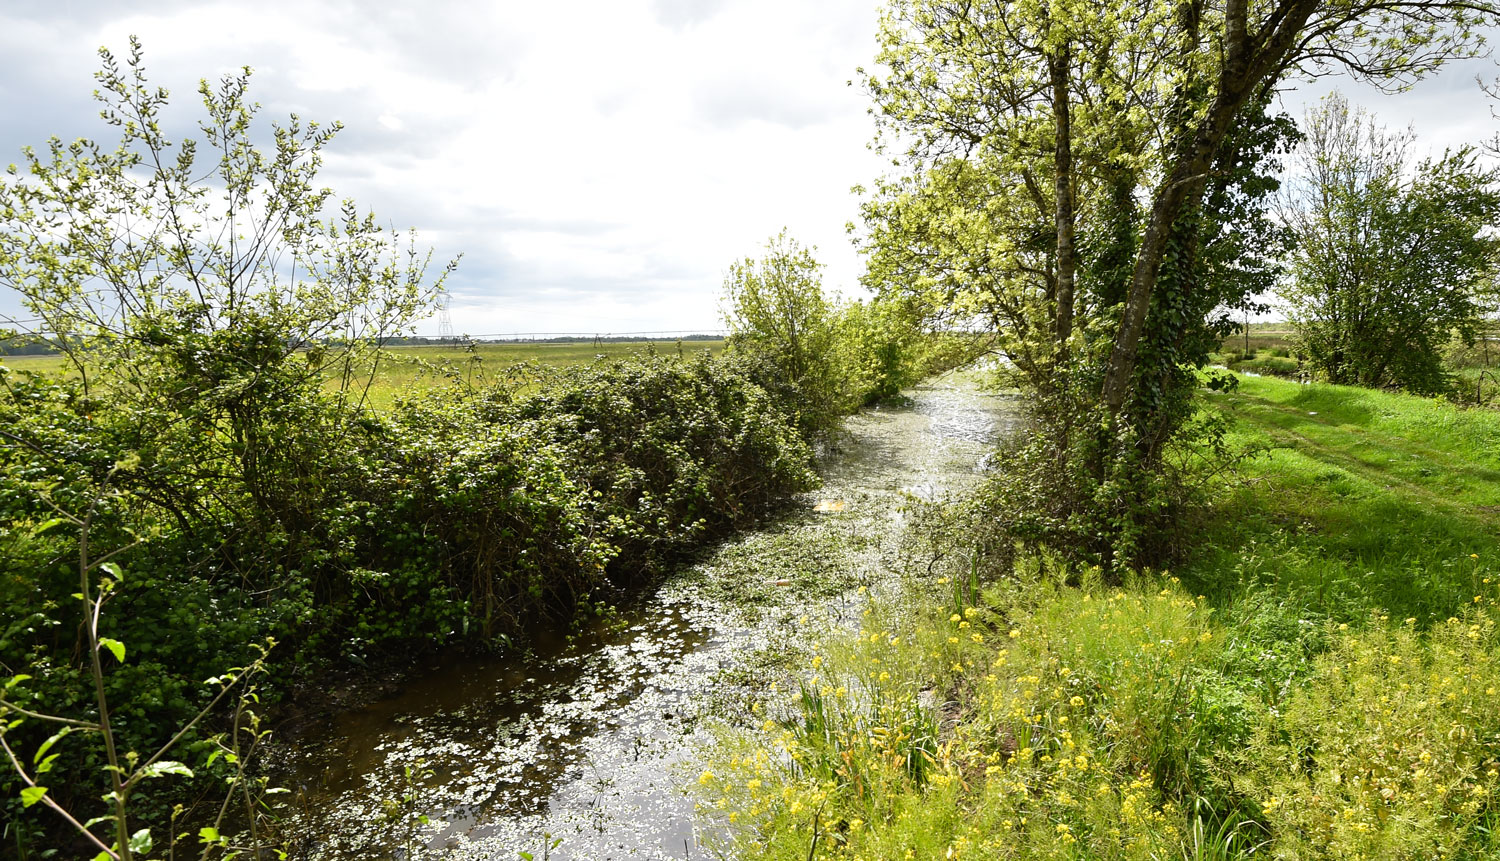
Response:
column 582, row 751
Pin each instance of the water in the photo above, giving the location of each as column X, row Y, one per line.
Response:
column 582, row 750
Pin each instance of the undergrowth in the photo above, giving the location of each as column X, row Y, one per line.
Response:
column 1320, row 680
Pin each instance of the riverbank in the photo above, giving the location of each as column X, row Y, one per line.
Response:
column 590, row 740
column 1319, row 680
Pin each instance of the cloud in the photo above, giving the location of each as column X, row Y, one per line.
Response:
column 682, row 14
column 598, row 164
column 601, row 162
column 1446, row 110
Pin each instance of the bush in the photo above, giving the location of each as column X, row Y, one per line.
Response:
column 462, row 514
column 668, row 453
column 1270, row 365
column 822, row 358
column 1391, row 749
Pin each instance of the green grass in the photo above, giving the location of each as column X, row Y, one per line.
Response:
column 410, row 368
column 1320, row 680
column 407, row 369
column 1361, row 499
column 40, row 364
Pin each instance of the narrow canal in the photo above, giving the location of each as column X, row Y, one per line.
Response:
column 581, row 751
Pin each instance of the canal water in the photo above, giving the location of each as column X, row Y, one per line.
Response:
column 582, row 750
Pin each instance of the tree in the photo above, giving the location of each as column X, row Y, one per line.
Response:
column 1391, row 258
column 776, row 311
column 1091, row 179
column 221, row 315
column 213, row 292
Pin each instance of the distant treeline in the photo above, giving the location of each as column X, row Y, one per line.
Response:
column 27, row 346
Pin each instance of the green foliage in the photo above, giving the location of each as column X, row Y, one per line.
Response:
column 216, row 381
column 821, row 357
column 981, row 232
column 1391, row 257
column 670, row 453
column 1088, row 183
column 1036, row 722
column 1389, row 750
column 777, row 313
column 460, row 514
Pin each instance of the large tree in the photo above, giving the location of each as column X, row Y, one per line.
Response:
column 1090, row 179
column 1391, row 258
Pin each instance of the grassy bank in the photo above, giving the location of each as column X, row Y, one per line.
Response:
column 1363, row 499
column 1318, row 680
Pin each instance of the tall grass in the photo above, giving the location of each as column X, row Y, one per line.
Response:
column 1320, row 680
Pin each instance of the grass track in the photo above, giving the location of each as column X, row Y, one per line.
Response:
column 1364, row 499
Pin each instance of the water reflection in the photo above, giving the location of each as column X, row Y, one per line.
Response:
column 584, row 742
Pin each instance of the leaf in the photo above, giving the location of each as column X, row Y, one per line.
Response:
column 115, row 647
column 114, row 570
column 32, row 794
column 165, row 767
column 16, row 680
column 140, row 842
column 46, row 525
column 208, row 834
column 47, row 745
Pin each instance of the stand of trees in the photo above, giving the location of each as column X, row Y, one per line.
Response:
column 1091, row 181
column 1391, row 257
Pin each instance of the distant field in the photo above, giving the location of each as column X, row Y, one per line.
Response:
column 427, row 366
column 406, row 368
column 32, row 363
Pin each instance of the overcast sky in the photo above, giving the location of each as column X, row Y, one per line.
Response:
column 598, row 164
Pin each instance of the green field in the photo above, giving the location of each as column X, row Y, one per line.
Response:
column 407, row 368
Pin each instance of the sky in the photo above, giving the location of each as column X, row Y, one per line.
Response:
column 599, row 164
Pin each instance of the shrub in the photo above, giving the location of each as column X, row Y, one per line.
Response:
column 669, row 453
column 1391, row 749
column 462, row 514
column 776, row 312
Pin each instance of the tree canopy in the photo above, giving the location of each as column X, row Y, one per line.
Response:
column 1091, row 181
column 1391, row 256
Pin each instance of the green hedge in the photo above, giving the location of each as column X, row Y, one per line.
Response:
column 462, row 514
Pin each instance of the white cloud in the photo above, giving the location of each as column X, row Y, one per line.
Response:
column 599, row 164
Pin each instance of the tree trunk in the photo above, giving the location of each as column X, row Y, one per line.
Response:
column 1067, row 253
column 1249, row 60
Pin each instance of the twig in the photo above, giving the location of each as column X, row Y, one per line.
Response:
column 7, row 704
column 47, row 800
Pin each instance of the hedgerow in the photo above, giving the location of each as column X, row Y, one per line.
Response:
column 464, row 514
